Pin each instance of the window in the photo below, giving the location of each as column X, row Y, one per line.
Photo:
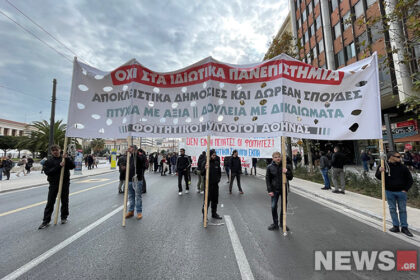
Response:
column 308, row 58
column 376, row 31
column 362, row 41
column 318, row 22
column 321, row 46
column 303, row 15
column 315, row 2
column 310, row 8
column 346, row 20
column 337, row 30
column 350, row 51
column 306, row 36
column 302, row 43
column 314, row 53
column 358, row 9
column 384, row 74
column 334, row 5
column 299, row 24
column 312, row 29
column 370, row 2
column 339, row 59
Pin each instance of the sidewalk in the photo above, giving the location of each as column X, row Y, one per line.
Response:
column 366, row 205
column 35, row 178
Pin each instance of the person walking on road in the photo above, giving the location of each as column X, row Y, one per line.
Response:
column 274, row 182
column 254, row 166
column 235, row 171
column 29, row 165
column 337, row 163
column 200, row 166
column 135, row 182
column 52, row 168
column 398, row 181
column 324, row 165
column 22, row 164
column 122, row 164
column 226, row 162
column 215, row 174
column 7, row 166
column 183, row 165
column 2, row 160
column 365, row 159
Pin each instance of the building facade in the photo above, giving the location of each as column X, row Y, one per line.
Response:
column 333, row 33
column 12, row 128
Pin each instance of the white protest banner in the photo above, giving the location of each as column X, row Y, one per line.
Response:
column 278, row 97
column 224, row 146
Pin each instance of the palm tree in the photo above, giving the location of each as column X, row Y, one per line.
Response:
column 39, row 139
column 97, row 145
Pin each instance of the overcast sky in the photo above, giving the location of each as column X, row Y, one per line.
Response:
column 161, row 35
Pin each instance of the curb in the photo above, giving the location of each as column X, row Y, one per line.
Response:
column 41, row 184
column 357, row 210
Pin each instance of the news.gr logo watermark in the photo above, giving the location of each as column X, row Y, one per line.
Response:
column 365, row 260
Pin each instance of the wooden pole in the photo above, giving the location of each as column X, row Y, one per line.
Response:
column 283, row 163
column 127, row 173
column 206, row 193
column 381, row 149
column 60, row 184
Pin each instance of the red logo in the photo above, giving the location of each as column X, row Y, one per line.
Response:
column 406, row 260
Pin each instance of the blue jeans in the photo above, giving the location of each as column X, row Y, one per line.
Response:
column 365, row 166
column 134, row 196
column 401, row 198
column 324, row 172
column 274, row 203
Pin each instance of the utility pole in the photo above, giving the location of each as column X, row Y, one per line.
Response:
column 52, row 120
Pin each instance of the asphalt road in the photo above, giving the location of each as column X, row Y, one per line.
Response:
column 170, row 241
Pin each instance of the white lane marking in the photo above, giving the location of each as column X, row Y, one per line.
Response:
column 243, row 264
column 33, row 263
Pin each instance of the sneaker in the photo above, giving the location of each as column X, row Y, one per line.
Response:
column 406, row 231
column 139, row 216
column 129, row 214
column 342, row 192
column 394, row 229
column 273, row 227
column 216, row 216
column 63, row 221
column 202, row 192
column 241, row 192
column 187, row 191
column 180, row 193
column 325, row 188
column 336, row 191
column 43, row 225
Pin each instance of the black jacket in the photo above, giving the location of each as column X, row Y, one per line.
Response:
column 226, row 161
column 235, row 165
column 201, row 162
column 324, row 162
column 52, row 169
column 400, row 179
column 215, row 172
column 137, row 169
column 122, row 163
column 182, row 163
column 274, row 176
column 338, row 160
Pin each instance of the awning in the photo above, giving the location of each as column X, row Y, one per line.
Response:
column 413, row 138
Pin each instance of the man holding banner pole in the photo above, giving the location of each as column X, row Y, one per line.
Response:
column 274, row 182
column 53, row 169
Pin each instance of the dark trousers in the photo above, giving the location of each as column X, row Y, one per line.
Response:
column 185, row 174
column 7, row 174
column 213, row 198
column 52, row 195
column 255, row 170
column 274, row 212
column 238, row 180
